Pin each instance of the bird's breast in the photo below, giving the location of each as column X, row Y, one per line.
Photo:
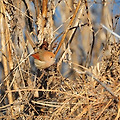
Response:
column 40, row 64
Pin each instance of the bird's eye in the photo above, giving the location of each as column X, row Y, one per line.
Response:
column 51, row 57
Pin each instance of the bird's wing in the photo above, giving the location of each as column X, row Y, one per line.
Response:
column 38, row 55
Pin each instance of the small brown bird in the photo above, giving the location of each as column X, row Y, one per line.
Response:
column 43, row 59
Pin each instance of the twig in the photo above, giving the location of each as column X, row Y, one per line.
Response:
column 115, row 34
column 70, row 23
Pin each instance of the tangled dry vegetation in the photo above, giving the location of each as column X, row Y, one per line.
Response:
column 83, row 84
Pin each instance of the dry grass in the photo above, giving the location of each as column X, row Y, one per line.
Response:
column 83, row 84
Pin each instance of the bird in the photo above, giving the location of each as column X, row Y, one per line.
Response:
column 43, row 58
